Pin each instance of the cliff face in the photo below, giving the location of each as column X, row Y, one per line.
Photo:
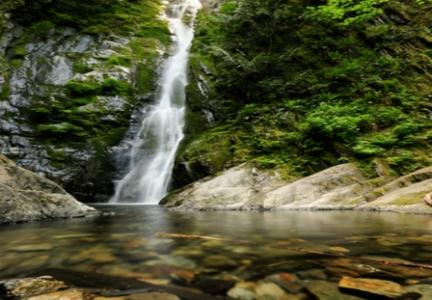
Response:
column 297, row 86
column 72, row 76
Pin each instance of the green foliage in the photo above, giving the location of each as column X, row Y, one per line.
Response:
column 366, row 149
column 228, row 7
column 307, row 86
column 348, row 12
column 336, row 122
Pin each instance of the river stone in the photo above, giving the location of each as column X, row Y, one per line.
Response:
column 260, row 290
column 270, row 291
column 372, row 286
column 287, row 281
column 99, row 253
column 152, row 296
column 324, row 290
column 25, row 196
column 27, row 287
column 32, row 248
column 425, row 290
column 219, row 261
column 71, row 294
column 243, row 291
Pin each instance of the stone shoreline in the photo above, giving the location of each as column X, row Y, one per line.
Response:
column 342, row 187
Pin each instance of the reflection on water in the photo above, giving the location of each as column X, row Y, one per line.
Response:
column 252, row 245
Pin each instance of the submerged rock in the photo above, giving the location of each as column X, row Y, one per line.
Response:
column 142, row 296
column 373, row 286
column 324, row 290
column 71, row 294
column 260, row 291
column 25, row 196
column 27, row 287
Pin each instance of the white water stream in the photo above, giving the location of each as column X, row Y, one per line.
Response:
column 154, row 147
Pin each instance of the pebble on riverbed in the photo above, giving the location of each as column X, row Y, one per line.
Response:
column 27, row 287
column 48, row 288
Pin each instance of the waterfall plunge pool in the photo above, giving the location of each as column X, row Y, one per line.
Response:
column 213, row 251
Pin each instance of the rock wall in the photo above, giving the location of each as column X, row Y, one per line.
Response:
column 73, row 75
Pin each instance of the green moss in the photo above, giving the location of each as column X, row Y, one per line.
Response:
column 42, row 28
column 411, row 199
column 108, row 86
column 16, row 63
column 80, row 67
column 145, row 78
column 19, row 52
column 119, row 61
column 59, row 129
column 78, row 88
column 112, row 86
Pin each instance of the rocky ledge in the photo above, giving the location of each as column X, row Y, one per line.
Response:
column 340, row 187
column 26, row 196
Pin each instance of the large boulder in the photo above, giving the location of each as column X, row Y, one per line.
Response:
column 333, row 188
column 405, row 194
column 340, row 187
column 26, row 196
column 241, row 187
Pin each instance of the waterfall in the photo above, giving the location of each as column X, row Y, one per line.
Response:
column 154, row 148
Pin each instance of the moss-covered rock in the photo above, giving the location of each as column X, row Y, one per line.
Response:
column 74, row 73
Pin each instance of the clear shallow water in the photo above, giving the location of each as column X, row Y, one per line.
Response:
column 248, row 246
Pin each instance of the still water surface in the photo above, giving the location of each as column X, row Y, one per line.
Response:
column 247, row 246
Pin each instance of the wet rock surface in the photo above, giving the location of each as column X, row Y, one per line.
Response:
column 342, row 187
column 25, row 196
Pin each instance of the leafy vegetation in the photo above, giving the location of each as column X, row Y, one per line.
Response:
column 304, row 86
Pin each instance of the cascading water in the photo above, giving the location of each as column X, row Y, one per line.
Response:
column 154, row 147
